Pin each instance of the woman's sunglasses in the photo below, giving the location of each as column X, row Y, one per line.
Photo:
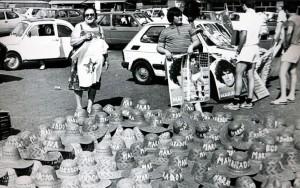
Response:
column 87, row 15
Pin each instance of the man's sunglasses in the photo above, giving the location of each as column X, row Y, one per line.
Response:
column 87, row 15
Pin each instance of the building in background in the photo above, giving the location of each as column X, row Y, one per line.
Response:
column 24, row 3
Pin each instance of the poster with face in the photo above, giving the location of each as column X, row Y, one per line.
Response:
column 224, row 74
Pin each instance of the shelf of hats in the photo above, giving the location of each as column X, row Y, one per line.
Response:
column 135, row 146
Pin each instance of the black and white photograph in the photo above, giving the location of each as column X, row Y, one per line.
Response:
column 149, row 93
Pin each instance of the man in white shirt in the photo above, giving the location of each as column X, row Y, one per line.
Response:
column 247, row 56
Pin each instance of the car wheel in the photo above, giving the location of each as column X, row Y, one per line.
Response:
column 12, row 61
column 143, row 73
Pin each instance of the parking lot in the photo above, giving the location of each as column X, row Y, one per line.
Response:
column 35, row 97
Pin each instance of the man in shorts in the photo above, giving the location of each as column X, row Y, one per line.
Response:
column 289, row 61
column 247, row 56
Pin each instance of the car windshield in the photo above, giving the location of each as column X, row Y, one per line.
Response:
column 22, row 10
column 19, row 29
column 142, row 18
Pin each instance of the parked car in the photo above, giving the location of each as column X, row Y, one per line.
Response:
column 3, row 51
column 73, row 16
column 121, row 27
column 142, row 59
column 8, row 20
column 37, row 39
column 30, row 12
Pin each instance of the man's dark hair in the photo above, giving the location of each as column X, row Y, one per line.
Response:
column 191, row 10
column 223, row 66
column 248, row 3
column 174, row 11
column 87, row 8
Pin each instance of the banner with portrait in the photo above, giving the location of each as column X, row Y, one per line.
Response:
column 188, row 78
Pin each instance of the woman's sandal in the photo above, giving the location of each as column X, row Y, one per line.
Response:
column 278, row 102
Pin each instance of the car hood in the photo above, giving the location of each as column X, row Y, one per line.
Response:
column 10, row 40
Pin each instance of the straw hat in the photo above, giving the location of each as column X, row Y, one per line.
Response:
column 272, row 166
column 126, row 106
column 272, row 127
column 142, row 105
column 128, row 136
column 257, row 153
column 156, row 126
column 136, row 119
column 139, row 175
column 183, row 123
column 95, row 109
column 126, row 183
column 239, row 165
column 153, row 172
column 138, row 150
column 115, row 120
column 201, row 130
column 151, row 142
column 138, row 134
column 71, row 119
column 270, row 143
column 86, row 160
column 24, row 182
column 244, row 182
column 11, row 158
column 90, row 179
column 68, row 169
column 219, row 158
column 165, row 138
column 54, row 143
column 47, row 178
column 124, row 159
column 117, row 143
column 291, row 158
column 187, row 108
column 179, row 145
column 58, row 126
column 73, row 135
column 148, row 114
column 170, row 115
column 43, row 131
column 71, row 183
column 16, row 141
column 108, row 108
column 236, row 134
column 285, row 140
column 220, row 117
column 215, row 179
column 90, row 128
column 28, row 138
column 178, row 160
column 81, row 113
column 107, row 169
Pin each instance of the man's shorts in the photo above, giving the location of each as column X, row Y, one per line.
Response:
column 249, row 54
column 292, row 55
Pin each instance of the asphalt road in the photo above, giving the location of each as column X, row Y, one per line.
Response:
column 35, row 97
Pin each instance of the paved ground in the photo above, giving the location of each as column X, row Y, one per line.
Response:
column 31, row 98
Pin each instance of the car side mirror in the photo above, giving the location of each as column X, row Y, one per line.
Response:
column 29, row 34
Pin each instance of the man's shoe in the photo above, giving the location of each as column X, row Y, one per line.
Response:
column 247, row 105
column 232, row 106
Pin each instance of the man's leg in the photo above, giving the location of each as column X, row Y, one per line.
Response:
column 239, row 71
column 250, row 74
column 284, row 67
column 293, row 78
column 91, row 98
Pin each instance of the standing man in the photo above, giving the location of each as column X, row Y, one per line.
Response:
column 247, row 56
column 289, row 60
column 177, row 38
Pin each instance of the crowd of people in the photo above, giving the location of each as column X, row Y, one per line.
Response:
column 180, row 38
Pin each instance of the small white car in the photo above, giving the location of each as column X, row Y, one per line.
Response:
column 8, row 20
column 37, row 39
column 142, row 59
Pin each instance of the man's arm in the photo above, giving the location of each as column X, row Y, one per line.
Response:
column 196, row 42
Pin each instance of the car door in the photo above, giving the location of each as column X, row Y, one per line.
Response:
column 3, row 23
column 64, row 33
column 12, row 19
column 124, row 28
column 41, row 42
column 105, row 23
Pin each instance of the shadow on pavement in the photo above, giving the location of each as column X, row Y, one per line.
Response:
column 8, row 78
column 116, row 101
column 49, row 64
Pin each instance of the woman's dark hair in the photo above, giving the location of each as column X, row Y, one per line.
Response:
column 174, row 11
column 87, row 8
column 223, row 66
column 191, row 10
column 248, row 3
column 174, row 71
